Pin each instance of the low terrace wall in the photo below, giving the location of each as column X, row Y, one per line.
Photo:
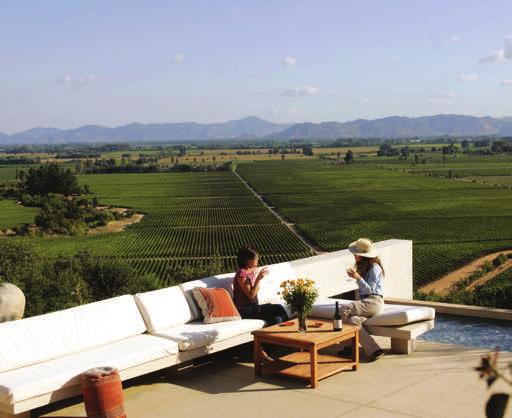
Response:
column 329, row 270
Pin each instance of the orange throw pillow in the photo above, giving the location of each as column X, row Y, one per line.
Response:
column 216, row 304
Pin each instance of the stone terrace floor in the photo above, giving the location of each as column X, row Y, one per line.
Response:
column 438, row 380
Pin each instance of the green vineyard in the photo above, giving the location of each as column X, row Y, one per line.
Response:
column 188, row 217
column 451, row 222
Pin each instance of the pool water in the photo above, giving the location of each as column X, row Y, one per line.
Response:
column 471, row 332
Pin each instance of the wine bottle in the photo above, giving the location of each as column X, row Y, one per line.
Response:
column 336, row 320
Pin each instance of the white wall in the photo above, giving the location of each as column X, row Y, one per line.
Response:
column 328, row 270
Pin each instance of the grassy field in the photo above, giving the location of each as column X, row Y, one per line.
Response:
column 450, row 222
column 12, row 215
column 188, row 216
column 8, row 172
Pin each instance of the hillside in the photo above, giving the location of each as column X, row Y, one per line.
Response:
column 401, row 127
column 253, row 127
column 249, row 127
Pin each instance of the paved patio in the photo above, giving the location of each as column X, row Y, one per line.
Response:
column 436, row 381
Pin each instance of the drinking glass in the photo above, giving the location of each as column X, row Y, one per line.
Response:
column 349, row 265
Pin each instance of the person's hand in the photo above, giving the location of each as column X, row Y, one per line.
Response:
column 354, row 274
column 263, row 272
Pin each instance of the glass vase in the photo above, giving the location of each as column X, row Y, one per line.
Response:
column 301, row 316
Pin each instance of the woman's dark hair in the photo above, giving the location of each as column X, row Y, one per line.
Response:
column 245, row 254
column 365, row 264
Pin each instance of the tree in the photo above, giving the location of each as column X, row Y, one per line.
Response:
column 307, row 150
column 386, row 150
column 50, row 178
column 349, row 157
column 404, row 153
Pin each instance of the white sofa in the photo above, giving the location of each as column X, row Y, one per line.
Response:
column 41, row 358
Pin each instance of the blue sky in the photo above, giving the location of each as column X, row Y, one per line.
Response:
column 70, row 63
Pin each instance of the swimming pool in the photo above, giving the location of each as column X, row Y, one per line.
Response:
column 471, row 332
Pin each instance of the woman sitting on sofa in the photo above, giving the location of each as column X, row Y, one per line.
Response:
column 246, row 286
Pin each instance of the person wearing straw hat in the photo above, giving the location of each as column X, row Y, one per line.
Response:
column 369, row 275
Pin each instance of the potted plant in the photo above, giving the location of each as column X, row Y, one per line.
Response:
column 300, row 295
column 488, row 369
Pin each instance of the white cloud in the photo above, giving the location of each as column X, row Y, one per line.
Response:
column 365, row 101
column 468, row 78
column 179, row 59
column 500, row 55
column 507, row 82
column 494, row 56
column 301, row 91
column 397, row 58
column 446, row 98
column 77, row 82
column 369, row 101
column 289, row 62
column 455, row 38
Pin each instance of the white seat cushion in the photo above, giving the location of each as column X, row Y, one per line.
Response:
column 164, row 308
column 45, row 337
column 222, row 280
column 196, row 334
column 392, row 315
column 39, row 379
column 401, row 315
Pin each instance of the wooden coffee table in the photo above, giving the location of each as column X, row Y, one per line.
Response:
column 307, row 363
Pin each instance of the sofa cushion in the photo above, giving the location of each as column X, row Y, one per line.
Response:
column 163, row 308
column 45, row 337
column 401, row 315
column 197, row 334
column 222, row 280
column 216, row 304
column 39, row 379
column 392, row 315
column 270, row 286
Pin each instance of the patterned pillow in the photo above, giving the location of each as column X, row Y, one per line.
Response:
column 216, row 304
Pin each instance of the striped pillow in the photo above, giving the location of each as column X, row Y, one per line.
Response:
column 216, row 304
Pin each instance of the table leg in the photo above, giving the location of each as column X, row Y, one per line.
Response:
column 257, row 356
column 314, row 367
column 355, row 351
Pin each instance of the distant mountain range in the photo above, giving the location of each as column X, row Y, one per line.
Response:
column 402, row 127
column 252, row 127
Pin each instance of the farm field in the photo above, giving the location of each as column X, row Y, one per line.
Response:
column 188, row 216
column 451, row 222
column 8, row 172
column 496, row 292
column 491, row 169
column 12, row 215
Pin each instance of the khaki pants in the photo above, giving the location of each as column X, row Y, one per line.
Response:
column 357, row 313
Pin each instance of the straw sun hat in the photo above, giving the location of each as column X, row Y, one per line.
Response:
column 363, row 247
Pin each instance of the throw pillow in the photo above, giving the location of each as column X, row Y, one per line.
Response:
column 216, row 304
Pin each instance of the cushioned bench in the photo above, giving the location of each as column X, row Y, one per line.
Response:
column 403, row 324
column 172, row 314
column 41, row 358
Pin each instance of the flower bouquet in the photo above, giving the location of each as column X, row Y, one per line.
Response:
column 300, row 295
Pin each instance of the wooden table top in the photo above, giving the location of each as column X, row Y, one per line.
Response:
column 314, row 335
